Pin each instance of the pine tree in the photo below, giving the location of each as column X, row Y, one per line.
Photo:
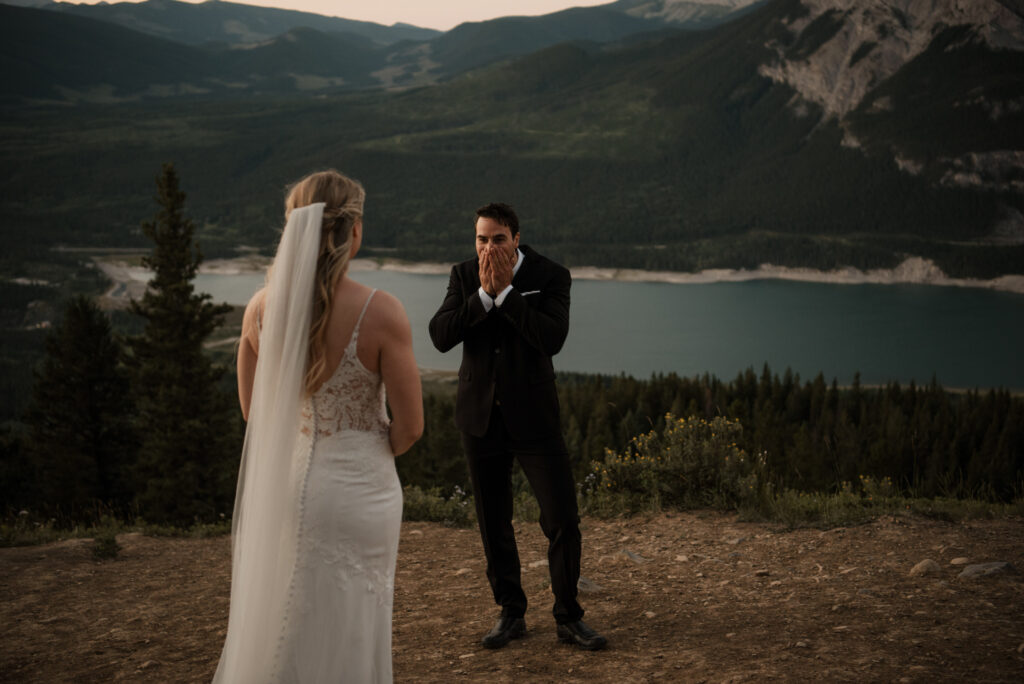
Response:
column 19, row 480
column 79, row 422
column 189, row 445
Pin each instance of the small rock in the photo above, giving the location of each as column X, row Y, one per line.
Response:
column 539, row 563
column 801, row 644
column 148, row 664
column 462, row 571
column 681, row 559
column 467, row 655
column 416, row 532
column 959, row 561
column 775, row 583
column 730, row 635
column 761, row 573
column 735, row 554
column 925, row 567
column 635, row 557
column 985, row 570
column 588, row 586
column 1020, row 649
column 649, row 613
column 736, row 541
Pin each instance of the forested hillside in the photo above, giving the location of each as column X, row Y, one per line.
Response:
column 674, row 152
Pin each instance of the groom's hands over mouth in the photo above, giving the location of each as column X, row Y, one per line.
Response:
column 485, row 272
column 496, row 268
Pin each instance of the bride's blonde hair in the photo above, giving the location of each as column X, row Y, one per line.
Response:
column 343, row 199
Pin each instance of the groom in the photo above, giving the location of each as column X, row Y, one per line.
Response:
column 509, row 307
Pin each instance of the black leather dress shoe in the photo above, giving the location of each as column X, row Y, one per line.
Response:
column 506, row 629
column 578, row 633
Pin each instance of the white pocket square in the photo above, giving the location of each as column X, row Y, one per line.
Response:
column 530, row 292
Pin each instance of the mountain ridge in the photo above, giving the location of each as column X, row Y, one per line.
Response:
column 231, row 22
column 398, row 56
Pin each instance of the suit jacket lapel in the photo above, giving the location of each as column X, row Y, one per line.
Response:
column 473, row 275
column 522, row 276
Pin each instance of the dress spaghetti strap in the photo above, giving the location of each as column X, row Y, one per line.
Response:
column 358, row 322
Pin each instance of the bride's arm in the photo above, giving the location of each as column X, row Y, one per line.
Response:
column 248, row 349
column 400, row 374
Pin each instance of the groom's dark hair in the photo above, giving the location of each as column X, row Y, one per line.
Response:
column 502, row 214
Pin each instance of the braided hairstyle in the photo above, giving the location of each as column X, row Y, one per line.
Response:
column 343, row 199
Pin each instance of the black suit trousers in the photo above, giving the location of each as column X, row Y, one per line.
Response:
column 545, row 462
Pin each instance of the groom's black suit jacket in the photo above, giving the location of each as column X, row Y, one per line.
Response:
column 506, row 352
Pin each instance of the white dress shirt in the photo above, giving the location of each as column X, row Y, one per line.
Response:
column 491, row 302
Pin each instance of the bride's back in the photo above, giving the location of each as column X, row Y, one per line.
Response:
column 384, row 343
column 349, row 301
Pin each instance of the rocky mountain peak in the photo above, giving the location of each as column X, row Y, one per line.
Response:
column 841, row 49
column 682, row 11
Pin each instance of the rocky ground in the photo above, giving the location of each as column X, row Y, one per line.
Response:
column 682, row 597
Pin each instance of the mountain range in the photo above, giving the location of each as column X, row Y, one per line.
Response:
column 659, row 134
column 225, row 22
column 227, row 47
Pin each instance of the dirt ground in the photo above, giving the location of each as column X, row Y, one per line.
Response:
column 682, row 597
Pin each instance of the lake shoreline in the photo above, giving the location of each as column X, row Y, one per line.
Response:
column 913, row 271
column 810, row 326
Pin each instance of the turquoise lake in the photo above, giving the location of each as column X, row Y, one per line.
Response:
column 965, row 337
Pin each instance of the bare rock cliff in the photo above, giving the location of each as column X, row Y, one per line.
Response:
column 867, row 41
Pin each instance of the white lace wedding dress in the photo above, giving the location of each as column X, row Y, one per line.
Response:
column 337, row 622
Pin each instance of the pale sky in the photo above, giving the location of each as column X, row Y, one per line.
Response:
column 435, row 14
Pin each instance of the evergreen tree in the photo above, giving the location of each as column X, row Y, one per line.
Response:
column 189, row 443
column 19, row 480
column 80, row 440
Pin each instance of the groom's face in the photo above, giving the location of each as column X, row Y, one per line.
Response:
column 494, row 237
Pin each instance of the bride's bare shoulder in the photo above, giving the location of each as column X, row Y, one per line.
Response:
column 387, row 314
column 252, row 321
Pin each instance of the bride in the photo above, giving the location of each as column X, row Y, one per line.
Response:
column 319, row 505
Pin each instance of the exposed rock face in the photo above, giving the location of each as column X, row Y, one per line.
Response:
column 872, row 39
column 999, row 169
column 684, row 11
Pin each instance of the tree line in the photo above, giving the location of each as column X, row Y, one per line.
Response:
column 813, row 435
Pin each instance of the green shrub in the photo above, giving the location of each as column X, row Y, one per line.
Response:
column 690, row 463
column 525, row 507
column 104, row 544
column 25, row 529
column 431, row 505
column 104, row 537
column 818, row 509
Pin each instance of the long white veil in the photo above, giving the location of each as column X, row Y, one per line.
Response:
column 272, row 472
